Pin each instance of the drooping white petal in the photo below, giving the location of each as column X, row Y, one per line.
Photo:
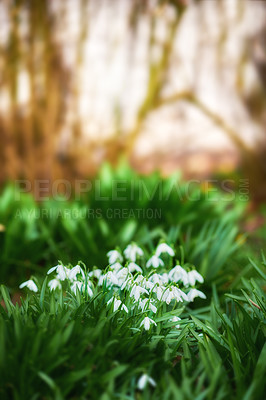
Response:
column 113, row 256
column 117, row 304
column 136, row 292
column 146, row 323
column 154, row 262
column 111, row 278
column 54, row 284
column 89, row 290
column 143, row 380
column 179, row 294
column 168, row 295
column 74, row 272
column 52, row 269
column 153, row 308
column 96, row 273
column 132, row 251
column 178, row 274
column 133, row 267
column 164, row 248
column 195, row 293
column 30, row 285
column 116, row 266
column 194, row 276
column 110, row 300
column 76, row 286
column 62, row 272
column 124, row 307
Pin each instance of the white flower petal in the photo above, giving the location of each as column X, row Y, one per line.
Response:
column 30, row 285
column 52, row 269
column 164, row 248
column 113, row 256
column 154, row 262
column 132, row 251
column 54, row 284
column 195, row 293
column 143, row 380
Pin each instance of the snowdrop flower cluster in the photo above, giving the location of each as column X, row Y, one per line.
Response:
column 133, row 285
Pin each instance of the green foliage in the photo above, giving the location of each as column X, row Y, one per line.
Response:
column 234, row 343
column 121, row 206
column 58, row 346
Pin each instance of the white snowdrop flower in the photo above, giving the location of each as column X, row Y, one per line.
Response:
column 148, row 285
column 144, row 380
column 113, row 256
column 175, row 319
column 88, row 286
column 142, row 281
column 139, row 279
column 153, row 308
column 159, row 290
column 179, row 294
column 96, row 273
column 155, row 278
column 101, row 279
column 154, row 262
column 30, row 285
column 168, row 295
column 159, row 279
column 194, row 276
column 123, row 275
column 195, row 293
column 136, row 291
column 173, row 293
column 164, row 278
column 164, row 248
column 62, row 272
column 117, row 303
column 126, row 283
column 54, row 284
column 133, row 267
column 143, row 303
column 132, row 251
column 72, row 274
column 178, row 274
column 89, row 291
column 111, row 278
column 116, row 266
column 77, row 285
column 147, row 322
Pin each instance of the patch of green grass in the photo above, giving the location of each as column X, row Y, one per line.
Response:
column 57, row 346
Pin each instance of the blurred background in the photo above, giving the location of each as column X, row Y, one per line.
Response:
column 176, row 84
column 131, row 93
